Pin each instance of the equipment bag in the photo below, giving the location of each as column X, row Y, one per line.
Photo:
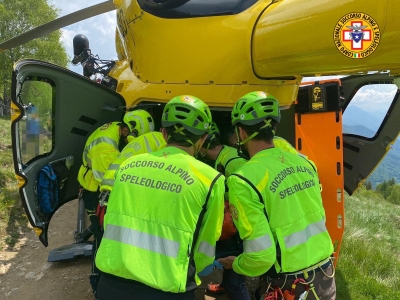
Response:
column 47, row 189
column 100, row 212
column 102, row 207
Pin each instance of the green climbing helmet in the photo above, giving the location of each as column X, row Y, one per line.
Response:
column 139, row 120
column 188, row 111
column 212, row 137
column 255, row 107
column 214, row 128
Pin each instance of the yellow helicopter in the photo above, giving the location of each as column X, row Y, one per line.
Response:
column 218, row 51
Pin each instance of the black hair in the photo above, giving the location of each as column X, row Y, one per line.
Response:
column 212, row 141
column 123, row 125
column 227, row 134
column 266, row 134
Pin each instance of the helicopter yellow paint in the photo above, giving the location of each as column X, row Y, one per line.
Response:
column 208, row 57
column 306, row 45
column 134, row 90
column 268, row 47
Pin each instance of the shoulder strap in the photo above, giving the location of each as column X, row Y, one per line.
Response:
column 256, row 190
column 233, row 158
column 191, row 273
column 312, row 166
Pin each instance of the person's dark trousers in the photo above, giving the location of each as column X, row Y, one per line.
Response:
column 234, row 285
column 232, row 282
column 117, row 288
column 91, row 200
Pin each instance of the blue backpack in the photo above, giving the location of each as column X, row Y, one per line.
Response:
column 47, row 189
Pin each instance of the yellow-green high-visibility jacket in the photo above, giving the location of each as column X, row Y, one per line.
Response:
column 163, row 219
column 148, row 142
column 283, row 144
column 286, row 146
column 228, row 161
column 101, row 149
column 275, row 200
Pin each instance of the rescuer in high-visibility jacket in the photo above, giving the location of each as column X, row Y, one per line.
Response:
column 101, row 149
column 276, row 204
column 148, row 142
column 164, row 214
column 226, row 160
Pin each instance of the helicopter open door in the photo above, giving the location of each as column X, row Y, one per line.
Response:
column 369, row 130
column 54, row 111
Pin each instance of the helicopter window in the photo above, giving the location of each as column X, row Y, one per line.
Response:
column 367, row 110
column 176, row 9
column 36, row 127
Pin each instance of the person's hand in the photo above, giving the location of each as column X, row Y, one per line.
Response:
column 227, row 261
column 210, row 268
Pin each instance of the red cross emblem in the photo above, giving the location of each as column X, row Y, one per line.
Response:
column 346, row 36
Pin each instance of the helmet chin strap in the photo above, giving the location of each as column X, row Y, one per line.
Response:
column 240, row 143
column 241, row 152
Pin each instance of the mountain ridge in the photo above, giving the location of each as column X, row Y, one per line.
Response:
column 360, row 122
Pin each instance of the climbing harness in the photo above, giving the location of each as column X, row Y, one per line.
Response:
column 289, row 295
column 275, row 293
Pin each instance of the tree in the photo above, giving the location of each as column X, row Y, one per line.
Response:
column 395, row 194
column 17, row 17
column 368, row 185
column 385, row 188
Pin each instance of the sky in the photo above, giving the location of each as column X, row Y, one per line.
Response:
column 100, row 31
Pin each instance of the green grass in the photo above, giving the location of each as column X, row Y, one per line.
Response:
column 13, row 221
column 369, row 265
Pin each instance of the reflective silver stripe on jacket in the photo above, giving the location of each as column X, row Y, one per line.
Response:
column 148, row 148
column 113, row 166
column 108, row 182
column 157, row 142
column 259, row 244
column 303, row 236
column 207, row 249
column 98, row 174
column 95, row 142
column 142, row 240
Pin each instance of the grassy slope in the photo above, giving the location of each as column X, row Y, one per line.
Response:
column 13, row 221
column 368, row 267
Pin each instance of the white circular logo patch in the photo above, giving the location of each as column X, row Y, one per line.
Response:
column 356, row 35
column 242, row 116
